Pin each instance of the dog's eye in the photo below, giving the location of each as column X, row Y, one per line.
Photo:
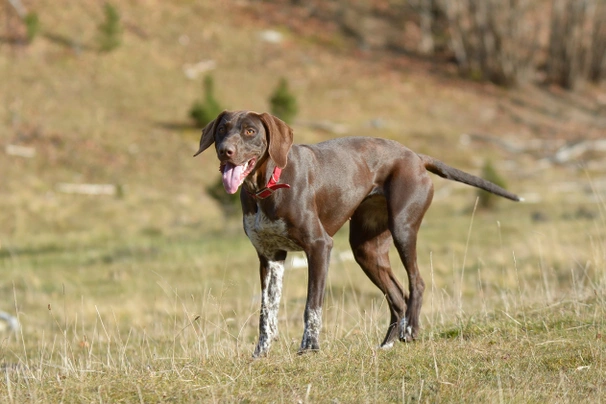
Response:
column 250, row 131
column 221, row 130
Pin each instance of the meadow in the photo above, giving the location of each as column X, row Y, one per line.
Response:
column 151, row 295
column 509, row 315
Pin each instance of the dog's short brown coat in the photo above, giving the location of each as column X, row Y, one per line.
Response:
column 379, row 185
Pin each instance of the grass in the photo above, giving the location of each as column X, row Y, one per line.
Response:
column 174, row 319
column 148, row 296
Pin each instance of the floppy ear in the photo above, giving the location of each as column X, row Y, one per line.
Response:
column 208, row 134
column 280, row 138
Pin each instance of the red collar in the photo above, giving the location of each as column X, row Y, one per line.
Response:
column 271, row 186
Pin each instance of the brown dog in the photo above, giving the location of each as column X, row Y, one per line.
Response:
column 296, row 197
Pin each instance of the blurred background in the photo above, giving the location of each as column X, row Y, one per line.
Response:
column 101, row 106
column 98, row 100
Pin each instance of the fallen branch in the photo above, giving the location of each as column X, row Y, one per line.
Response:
column 87, row 189
column 20, row 151
column 574, row 150
column 561, row 155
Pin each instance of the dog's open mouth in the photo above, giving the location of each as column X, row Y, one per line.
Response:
column 233, row 175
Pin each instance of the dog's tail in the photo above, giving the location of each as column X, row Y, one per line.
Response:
column 451, row 173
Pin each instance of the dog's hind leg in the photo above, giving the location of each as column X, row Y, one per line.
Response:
column 370, row 240
column 407, row 203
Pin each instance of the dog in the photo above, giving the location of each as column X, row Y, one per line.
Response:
column 296, row 197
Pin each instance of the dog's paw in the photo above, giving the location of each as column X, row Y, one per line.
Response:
column 261, row 350
column 258, row 355
column 406, row 332
column 386, row 346
column 408, row 336
column 308, row 344
column 303, row 351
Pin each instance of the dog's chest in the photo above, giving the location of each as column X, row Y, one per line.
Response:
column 268, row 236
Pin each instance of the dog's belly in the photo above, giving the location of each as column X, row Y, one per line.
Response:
column 268, row 236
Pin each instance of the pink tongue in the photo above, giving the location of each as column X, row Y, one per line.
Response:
column 232, row 177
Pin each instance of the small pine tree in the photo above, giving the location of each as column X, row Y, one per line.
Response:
column 283, row 103
column 488, row 200
column 110, row 31
column 202, row 112
column 229, row 203
column 32, row 25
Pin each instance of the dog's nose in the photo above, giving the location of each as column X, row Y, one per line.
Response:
column 227, row 151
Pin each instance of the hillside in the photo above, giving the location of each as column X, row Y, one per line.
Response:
column 121, row 117
column 129, row 284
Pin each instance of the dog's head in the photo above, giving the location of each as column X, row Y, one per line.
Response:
column 242, row 140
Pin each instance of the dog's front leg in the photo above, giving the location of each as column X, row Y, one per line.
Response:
column 271, row 271
column 318, row 258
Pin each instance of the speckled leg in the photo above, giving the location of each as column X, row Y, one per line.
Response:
column 318, row 258
column 271, row 292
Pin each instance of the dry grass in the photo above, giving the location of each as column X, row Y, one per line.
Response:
column 150, row 297
column 161, row 319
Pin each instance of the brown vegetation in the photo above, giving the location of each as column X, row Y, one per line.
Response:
column 131, row 287
column 507, row 42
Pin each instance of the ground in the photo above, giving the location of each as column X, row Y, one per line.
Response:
column 149, row 294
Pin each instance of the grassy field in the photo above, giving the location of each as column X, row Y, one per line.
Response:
column 508, row 316
column 149, row 295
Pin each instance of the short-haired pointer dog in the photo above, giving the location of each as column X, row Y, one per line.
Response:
column 296, row 197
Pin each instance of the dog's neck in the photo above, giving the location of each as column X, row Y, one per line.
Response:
column 257, row 180
column 263, row 182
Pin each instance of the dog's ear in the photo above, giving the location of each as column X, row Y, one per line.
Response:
column 280, row 137
column 208, row 133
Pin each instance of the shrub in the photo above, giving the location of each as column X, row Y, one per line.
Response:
column 283, row 103
column 492, row 39
column 230, row 204
column 489, row 173
column 500, row 41
column 202, row 112
column 110, row 31
column 32, row 25
column 577, row 42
